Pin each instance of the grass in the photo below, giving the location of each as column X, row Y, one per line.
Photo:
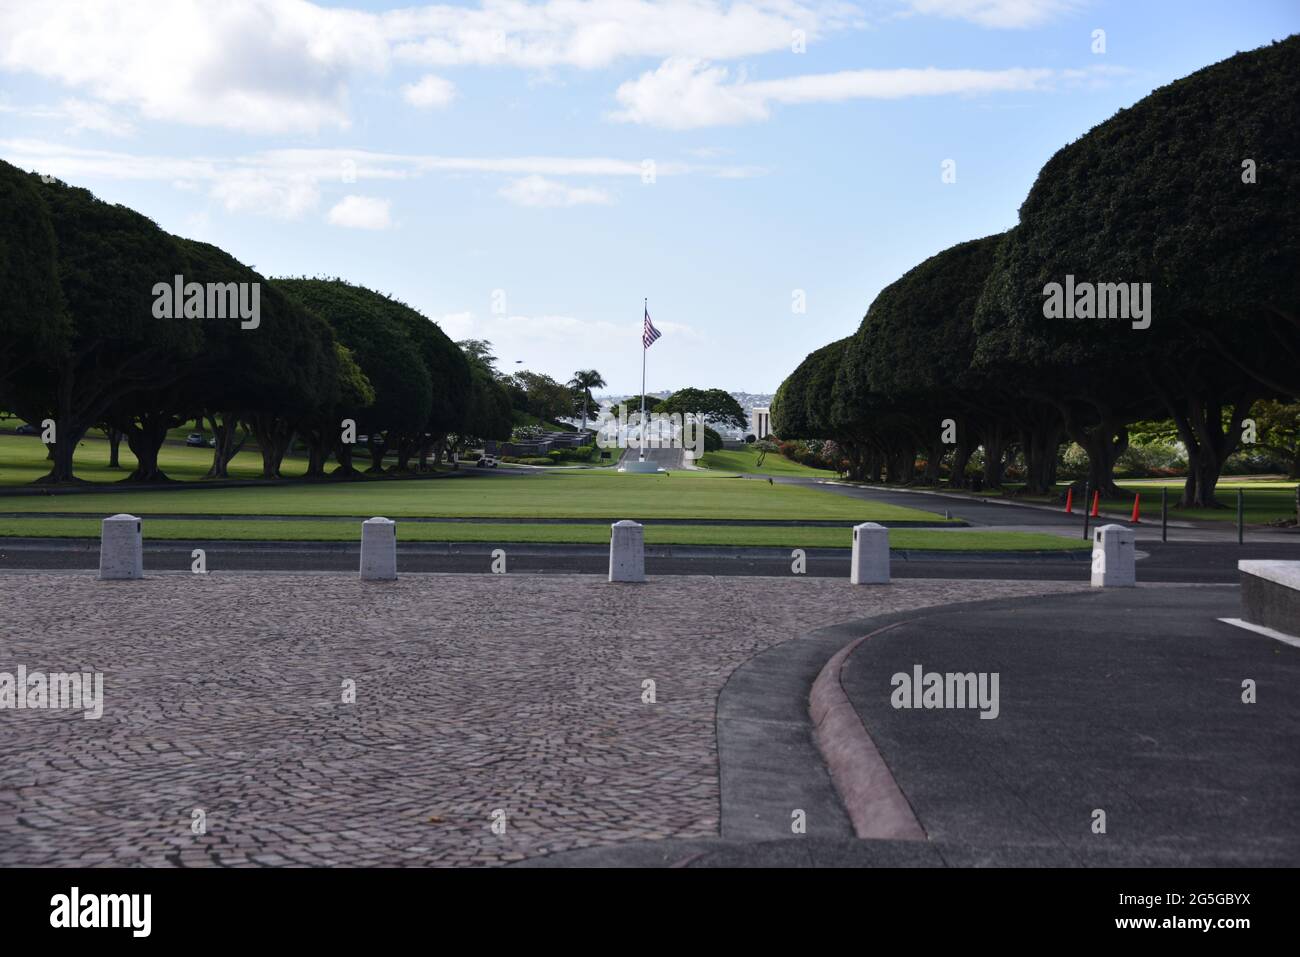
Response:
column 572, row 494
column 199, row 530
column 23, row 460
column 1265, row 500
column 745, row 462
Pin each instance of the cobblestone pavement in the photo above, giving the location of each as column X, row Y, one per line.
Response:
column 473, row 694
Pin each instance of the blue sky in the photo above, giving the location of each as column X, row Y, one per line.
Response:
column 487, row 162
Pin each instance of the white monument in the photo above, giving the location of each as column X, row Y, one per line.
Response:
column 761, row 420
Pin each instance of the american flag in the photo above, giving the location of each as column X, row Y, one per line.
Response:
column 649, row 334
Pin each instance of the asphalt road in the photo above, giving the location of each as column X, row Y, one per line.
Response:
column 1127, row 701
column 1174, row 562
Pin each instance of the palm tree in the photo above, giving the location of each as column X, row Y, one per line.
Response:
column 583, row 381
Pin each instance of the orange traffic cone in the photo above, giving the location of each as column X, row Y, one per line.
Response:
column 1137, row 509
column 1096, row 504
column 1069, row 500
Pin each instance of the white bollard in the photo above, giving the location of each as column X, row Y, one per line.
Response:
column 121, row 552
column 626, row 552
column 870, row 555
column 378, row 549
column 1114, row 557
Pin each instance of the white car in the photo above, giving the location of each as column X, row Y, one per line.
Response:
column 487, row 462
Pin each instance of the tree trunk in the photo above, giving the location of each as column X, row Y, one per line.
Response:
column 933, row 459
column 1041, row 443
column 224, row 426
column 343, row 455
column 994, row 448
column 960, row 459
column 114, row 443
column 145, row 435
column 273, row 439
column 1208, row 446
column 376, row 455
column 1104, row 443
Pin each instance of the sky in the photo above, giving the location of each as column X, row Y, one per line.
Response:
column 530, row 172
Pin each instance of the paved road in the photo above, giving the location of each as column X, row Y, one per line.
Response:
column 1014, row 516
column 1126, row 701
column 1129, row 701
column 1174, row 562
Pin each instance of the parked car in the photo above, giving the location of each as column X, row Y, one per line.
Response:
column 27, row 429
column 196, row 439
column 487, row 462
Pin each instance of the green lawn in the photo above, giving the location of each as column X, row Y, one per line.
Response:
column 1265, row 500
column 745, row 462
column 575, row 494
column 22, row 460
column 307, row 530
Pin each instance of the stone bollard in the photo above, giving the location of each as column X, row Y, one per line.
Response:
column 378, row 549
column 626, row 552
column 121, row 553
column 870, row 554
column 1114, row 555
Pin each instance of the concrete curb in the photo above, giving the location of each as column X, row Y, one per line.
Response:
column 875, row 804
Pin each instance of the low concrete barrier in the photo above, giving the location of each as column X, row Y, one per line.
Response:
column 870, row 564
column 1270, row 594
column 626, row 552
column 121, row 550
column 1114, row 557
column 378, row 549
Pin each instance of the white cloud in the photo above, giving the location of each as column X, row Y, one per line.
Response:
column 77, row 115
column 430, row 92
column 1003, row 14
column 687, row 94
column 539, row 191
column 597, row 34
column 270, row 66
column 253, row 65
column 253, row 191
column 361, row 212
column 288, row 184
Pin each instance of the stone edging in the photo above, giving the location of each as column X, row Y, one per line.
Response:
column 875, row 804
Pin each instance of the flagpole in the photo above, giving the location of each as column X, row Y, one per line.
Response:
column 645, row 311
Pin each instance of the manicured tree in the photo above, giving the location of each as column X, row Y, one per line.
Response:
column 365, row 322
column 489, row 414
column 34, row 323
column 110, row 259
column 274, row 377
column 1192, row 190
column 324, row 434
column 921, row 336
column 583, row 381
column 449, row 375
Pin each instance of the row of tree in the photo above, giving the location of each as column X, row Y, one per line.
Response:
column 85, row 346
column 1195, row 191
